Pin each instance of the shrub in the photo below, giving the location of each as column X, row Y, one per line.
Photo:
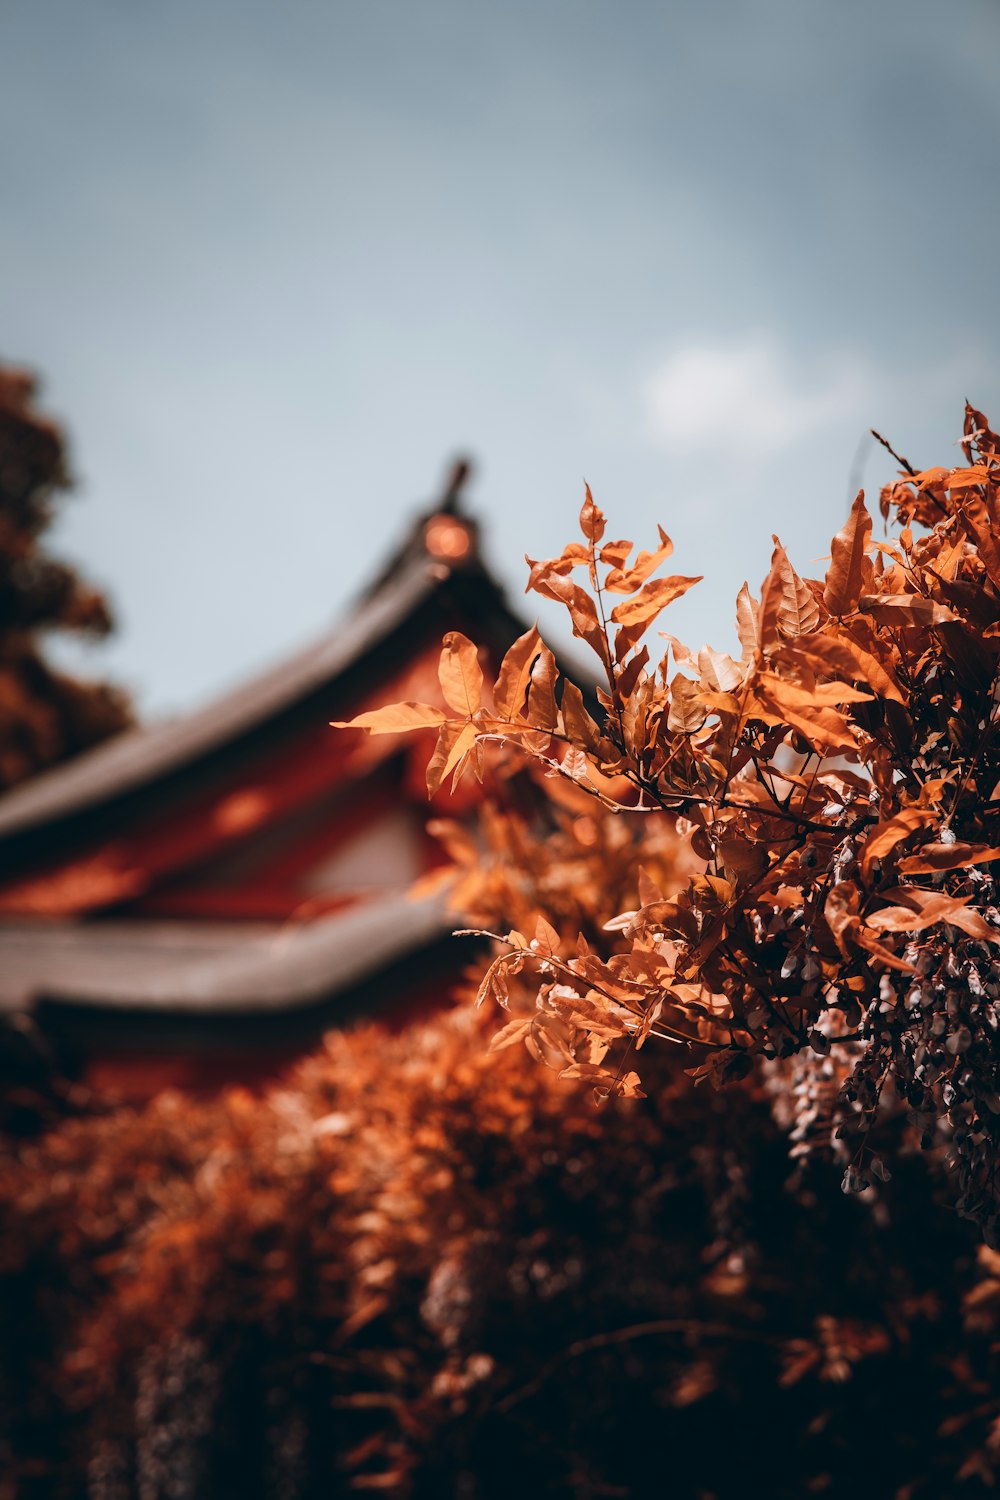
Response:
column 429, row 1270
column 839, row 784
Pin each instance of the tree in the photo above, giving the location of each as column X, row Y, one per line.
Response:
column 45, row 715
column 839, row 783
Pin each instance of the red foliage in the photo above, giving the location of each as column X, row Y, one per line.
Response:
column 434, row 1272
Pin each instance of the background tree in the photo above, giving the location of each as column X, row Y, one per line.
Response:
column 45, row 715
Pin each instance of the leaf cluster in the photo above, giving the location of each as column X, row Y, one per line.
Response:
column 839, row 784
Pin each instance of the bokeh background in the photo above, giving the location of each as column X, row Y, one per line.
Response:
column 278, row 264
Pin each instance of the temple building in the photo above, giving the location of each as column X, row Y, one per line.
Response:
column 196, row 902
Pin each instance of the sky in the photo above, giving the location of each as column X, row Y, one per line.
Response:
column 278, row 264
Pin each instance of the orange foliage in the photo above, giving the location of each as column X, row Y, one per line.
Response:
column 838, row 783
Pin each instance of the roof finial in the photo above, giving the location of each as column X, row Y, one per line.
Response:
column 458, row 476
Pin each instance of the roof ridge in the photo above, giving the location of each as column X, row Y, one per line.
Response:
column 149, row 751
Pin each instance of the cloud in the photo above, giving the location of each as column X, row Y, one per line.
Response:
column 749, row 394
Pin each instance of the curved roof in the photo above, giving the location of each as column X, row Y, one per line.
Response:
column 222, row 968
column 144, row 754
column 164, row 966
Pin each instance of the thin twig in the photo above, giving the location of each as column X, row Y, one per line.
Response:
column 904, row 463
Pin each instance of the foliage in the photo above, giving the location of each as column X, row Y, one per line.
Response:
column 840, row 785
column 426, row 1270
column 45, row 715
column 421, row 1268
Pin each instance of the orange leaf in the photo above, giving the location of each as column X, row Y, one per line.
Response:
column 542, row 711
column 649, row 891
column 628, row 1087
column 395, row 718
column 825, row 654
column 590, row 1071
column 904, row 609
column 788, row 695
column 887, row 835
column 955, row 856
column 578, row 726
column 635, row 615
column 841, row 912
column 787, row 607
column 627, row 677
column 967, row 479
column 929, row 478
column 573, row 555
column 546, row 939
column 979, row 525
column 514, row 1031
column 460, row 674
column 647, row 604
column 824, row 728
column 687, row 712
column 615, row 553
column 574, row 765
column 591, row 519
column 455, row 740
column 871, row 944
column 582, row 610
column 747, row 621
column 627, row 580
column 494, row 983
column 933, row 906
column 718, row 671
column 845, row 575
column 515, row 674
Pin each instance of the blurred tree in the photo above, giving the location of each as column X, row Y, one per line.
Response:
column 45, row 715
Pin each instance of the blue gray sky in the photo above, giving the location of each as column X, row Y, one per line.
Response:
column 279, row 263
